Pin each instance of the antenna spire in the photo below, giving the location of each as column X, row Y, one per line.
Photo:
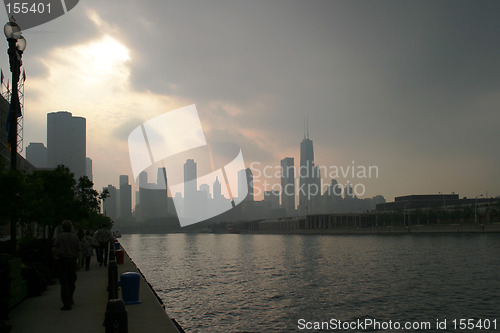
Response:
column 304, row 129
column 307, row 126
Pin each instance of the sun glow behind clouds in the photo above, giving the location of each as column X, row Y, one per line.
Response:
column 104, row 57
column 92, row 79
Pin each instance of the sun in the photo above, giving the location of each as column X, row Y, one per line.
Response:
column 103, row 57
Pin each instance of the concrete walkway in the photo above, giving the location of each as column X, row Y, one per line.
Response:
column 42, row 314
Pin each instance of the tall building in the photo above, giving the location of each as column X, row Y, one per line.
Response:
column 217, row 189
column 310, row 187
column 151, row 199
column 36, row 154
column 190, row 203
column 288, row 184
column 125, row 197
column 143, row 179
column 249, row 173
column 205, row 189
column 88, row 165
column 66, row 142
column 245, row 184
column 190, row 182
column 271, row 199
column 110, row 204
column 161, row 178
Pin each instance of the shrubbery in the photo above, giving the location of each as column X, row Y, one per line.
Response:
column 38, row 269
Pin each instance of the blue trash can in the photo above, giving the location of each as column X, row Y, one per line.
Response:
column 130, row 282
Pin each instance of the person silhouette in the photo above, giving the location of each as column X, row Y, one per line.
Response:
column 67, row 251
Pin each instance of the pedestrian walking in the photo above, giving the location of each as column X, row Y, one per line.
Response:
column 67, row 250
column 103, row 236
column 87, row 244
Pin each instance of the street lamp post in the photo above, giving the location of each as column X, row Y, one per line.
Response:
column 17, row 44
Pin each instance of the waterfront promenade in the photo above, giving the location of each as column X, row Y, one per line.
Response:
column 42, row 314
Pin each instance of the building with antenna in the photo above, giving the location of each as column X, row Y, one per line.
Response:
column 310, row 180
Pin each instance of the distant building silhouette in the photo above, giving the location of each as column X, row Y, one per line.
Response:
column 143, row 179
column 125, row 197
column 205, row 189
column 245, row 184
column 36, row 154
column 250, row 196
column 271, row 199
column 66, row 142
column 217, row 189
column 190, row 182
column 110, row 204
column 422, row 201
column 288, row 185
column 310, row 180
column 89, row 171
column 151, row 200
column 161, row 178
column 190, row 187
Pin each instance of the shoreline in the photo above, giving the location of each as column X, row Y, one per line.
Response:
column 373, row 230
column 392, row 230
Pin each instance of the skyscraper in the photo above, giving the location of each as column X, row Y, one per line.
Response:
column 125, row 197
column 288, row 184
column 245, row 184
column 217, row 189
column 88, row 169
column 271, row 199
column 310, row 186
column 36, row 154
column 110, row 203
column 192, row 201
column 143, row 179
column 161, row 178
column 250, row 196
column 190, row 182
column 205, row 189
column 66, row 142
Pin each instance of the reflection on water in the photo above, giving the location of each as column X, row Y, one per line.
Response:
column 264, row 283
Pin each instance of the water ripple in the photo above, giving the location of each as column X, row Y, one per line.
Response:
column 266, row 283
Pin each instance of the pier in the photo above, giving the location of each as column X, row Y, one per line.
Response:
column 42, row 314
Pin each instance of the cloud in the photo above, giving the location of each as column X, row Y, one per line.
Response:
column 386, row 82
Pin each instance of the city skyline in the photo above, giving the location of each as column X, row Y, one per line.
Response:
column 419, row 102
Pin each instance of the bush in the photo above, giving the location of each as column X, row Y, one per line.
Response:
column 36, row 255
column 38, row 277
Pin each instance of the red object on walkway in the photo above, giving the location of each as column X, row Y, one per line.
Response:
column 120, row 256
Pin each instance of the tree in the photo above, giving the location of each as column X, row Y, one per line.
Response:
column 86, row 197
column 48, row 197
column 51, row 197
column 88, row 203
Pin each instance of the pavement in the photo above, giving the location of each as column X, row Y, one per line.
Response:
column 42, row 314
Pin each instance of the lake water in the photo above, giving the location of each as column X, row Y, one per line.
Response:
column 286, row 283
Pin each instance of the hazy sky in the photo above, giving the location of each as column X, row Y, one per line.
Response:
column 412, row 87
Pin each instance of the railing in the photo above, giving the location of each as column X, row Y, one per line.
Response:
column 115, row 319
column 112, row 273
